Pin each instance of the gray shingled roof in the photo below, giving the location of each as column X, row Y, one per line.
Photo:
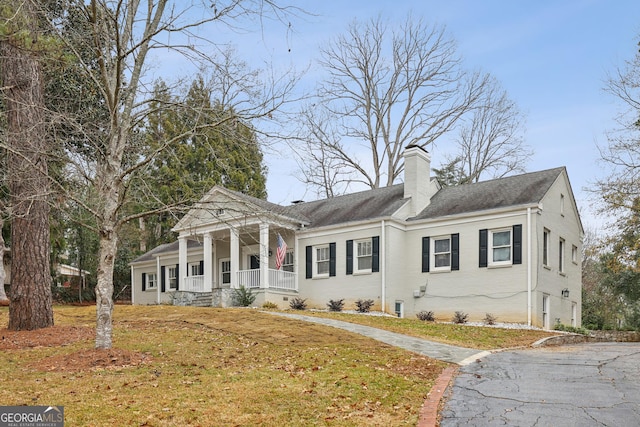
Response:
column 364, row 205
column 516, row 190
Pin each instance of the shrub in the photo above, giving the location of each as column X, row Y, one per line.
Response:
column 572, row 329
column 426, row 316
column 460, row 317
column 269, row 305
column 363, row 306
column 490, row 319
column 243, row 297
column 335, row 305
column 298, row 304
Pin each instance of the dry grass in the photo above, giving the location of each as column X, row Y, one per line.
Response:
column 483, row 338
column 219, row 367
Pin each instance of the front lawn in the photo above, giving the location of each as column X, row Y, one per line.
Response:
column 205, row 366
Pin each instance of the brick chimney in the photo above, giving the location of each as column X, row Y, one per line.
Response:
column 417, row 178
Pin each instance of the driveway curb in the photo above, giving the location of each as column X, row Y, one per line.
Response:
column 429, row 411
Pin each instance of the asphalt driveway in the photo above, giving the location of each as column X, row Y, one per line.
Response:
column 576, row 385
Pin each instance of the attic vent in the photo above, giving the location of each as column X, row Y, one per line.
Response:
column 297, row 202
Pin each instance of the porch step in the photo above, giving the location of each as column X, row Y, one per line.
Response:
column 193, row 299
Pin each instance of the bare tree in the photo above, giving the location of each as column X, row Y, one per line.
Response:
column 490, row 141
column 620, row 190
column 320, row 158
column 388, row 88
column 27, row 166
column 121, row 36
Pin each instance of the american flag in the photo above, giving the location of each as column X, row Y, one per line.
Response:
column 280, row 253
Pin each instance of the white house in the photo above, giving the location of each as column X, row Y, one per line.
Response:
column 510, row 247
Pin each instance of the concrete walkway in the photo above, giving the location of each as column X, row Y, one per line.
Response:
column 448, row 353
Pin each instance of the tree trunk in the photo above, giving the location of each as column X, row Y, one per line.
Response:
column 104, row 290
column 4, row 301
column 31, row 306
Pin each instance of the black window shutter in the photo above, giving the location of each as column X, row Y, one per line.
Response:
column 375, row 254
column 332, row 259
column 517, row 244
column 483, row 248
column 201, row 269
column 308, row 262
column 178, row 276
column 455, row 251
column 144, row 281
column 425, row 254
column 163, row 277
column 349, row 256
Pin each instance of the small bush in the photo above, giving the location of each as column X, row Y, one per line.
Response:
column 490, row 319
column 426, row 316
column 269, row 305
column 243, row 297
column 460, row 317
column 335, row 305
column 364, row 306
column 298, row 304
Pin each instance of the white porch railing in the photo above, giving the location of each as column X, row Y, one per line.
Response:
column 278, row 279
column 195, row 284
column 249, row 278
column 281, row 279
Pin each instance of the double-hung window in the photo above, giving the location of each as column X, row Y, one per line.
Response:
column 225, row 271
column 363, row 255
column 500, row 247
column 152, row 280
column 442, row 253
column 172, row 277
column 321, row 261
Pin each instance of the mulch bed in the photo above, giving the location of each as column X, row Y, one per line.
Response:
column 82, row 360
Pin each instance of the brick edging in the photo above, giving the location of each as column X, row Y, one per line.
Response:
column 429, row 411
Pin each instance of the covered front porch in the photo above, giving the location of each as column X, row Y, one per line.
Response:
column 235, row 256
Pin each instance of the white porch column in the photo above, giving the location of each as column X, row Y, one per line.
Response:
column 264, row 255
column 208, row 262
column 182, row 262
column 215, row 274
column 235, row 258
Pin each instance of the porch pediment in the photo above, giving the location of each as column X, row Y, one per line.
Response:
column 223, row 208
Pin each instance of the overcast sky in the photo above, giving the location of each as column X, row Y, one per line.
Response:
column 552, row 57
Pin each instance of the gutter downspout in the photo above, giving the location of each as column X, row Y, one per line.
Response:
column 383, row 267
column 529, row 257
